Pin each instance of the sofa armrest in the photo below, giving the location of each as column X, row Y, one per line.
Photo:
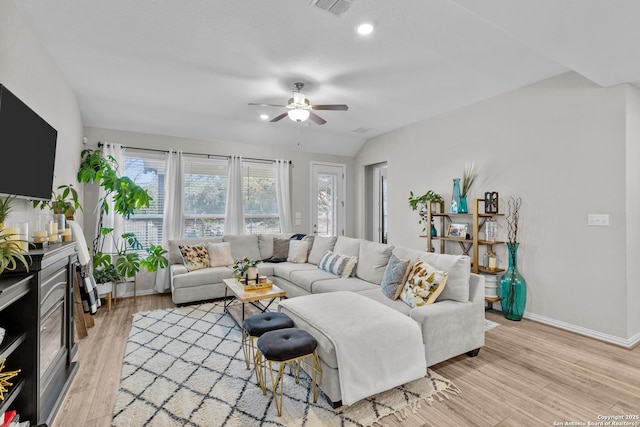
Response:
column 177, row 269
column 476, row 288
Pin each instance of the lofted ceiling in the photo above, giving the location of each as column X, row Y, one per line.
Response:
column 190, row 68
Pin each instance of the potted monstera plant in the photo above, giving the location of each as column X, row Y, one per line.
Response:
column 129, row 256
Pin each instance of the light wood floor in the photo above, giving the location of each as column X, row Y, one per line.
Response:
column 528, row 374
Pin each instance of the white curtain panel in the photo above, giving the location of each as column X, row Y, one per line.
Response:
column 173, row 213
column 234, row 214
column 283, row 194
column 111, row 219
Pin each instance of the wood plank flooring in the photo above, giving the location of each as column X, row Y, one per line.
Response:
column 528, row 374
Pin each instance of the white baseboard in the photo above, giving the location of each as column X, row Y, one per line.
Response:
column 612, row 339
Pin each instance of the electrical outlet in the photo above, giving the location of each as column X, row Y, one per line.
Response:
column 598, row 220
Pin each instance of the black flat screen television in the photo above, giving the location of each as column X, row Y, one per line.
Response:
column 28, row 150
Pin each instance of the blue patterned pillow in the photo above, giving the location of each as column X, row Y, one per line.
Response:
column 340, row 265
column 394, row 276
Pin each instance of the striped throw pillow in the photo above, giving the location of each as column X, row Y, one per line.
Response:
column 340, row 265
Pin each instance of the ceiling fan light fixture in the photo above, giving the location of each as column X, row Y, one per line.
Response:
column 298, row 98
column 298, row 114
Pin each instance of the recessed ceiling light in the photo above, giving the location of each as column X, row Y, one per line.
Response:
column 264, row 116
column 365, row 29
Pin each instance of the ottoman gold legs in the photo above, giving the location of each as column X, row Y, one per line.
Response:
column 262, row 365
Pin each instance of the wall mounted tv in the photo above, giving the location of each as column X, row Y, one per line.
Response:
column 28, row 147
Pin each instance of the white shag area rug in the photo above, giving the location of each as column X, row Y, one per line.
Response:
column 184, row 366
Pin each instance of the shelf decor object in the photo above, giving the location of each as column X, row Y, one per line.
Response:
column 455, row 197
column 491, row 202
column 468, row 177
column 513, row 287
column 4, row 379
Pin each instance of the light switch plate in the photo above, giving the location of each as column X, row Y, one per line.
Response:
column 598, row 220
column 298, row 215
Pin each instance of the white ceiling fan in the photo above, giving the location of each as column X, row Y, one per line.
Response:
column 299, row 108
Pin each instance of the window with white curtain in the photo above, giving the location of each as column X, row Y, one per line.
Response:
column 147, row 170
column 260, row 199
column 205, row 192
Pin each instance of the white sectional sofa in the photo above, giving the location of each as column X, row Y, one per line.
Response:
column 451, row 326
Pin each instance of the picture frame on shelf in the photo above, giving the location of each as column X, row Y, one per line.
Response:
column 458, row 230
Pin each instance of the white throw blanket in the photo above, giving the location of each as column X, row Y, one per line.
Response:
column 377, row 347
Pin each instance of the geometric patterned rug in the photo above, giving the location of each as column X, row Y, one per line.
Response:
column 490, row 324
column 184, row 366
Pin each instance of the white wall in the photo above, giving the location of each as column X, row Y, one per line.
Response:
column 28, row 70
column 560, row 145
column 300, row 179
column 633, row 207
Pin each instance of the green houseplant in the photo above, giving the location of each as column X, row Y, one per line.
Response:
column 128, row 257
column 64, row 201
column 242, row 265
column 10, row 253
column 5, row 208
column 420, row 203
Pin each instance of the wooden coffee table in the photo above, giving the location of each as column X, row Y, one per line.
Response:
column 249, row 302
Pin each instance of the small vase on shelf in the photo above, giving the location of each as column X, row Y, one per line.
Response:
column 462, row 208
column 455, row 197
column 513, row 287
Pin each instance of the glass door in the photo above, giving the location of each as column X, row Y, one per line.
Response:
column 327, row 199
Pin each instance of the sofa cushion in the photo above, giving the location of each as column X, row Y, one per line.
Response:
column 219, row 254
column 352, row 284
column 396, row 304
column 265, row 243
column 372, row 261
column 174, row 252
column 321, row 244
column 280, row 251
column 285, row 269
column 298, row 250
column 340, row 265
column 458, row 268
column 306, row 278
column 423, row 285
column 245, row 245
column 194, row 257
column 395, row 275
column 265, row 268
column 347, row 246
column 201, row 277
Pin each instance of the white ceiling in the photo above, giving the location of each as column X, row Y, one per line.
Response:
column 189, row 68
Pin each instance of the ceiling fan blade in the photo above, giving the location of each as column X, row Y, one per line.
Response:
column 280, row 117
column 316, row 118
column 338, row 107
column 267, row 105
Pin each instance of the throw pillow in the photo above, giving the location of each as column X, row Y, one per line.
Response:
column 298, row 250
column 321, row 244
column 194, row 257
column 423, row 285
column 395, row 275
column 280, row 250
column 219, row 254
column 340, row 265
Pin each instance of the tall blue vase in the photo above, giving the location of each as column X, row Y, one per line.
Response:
column 455, row 197
column 513, row 287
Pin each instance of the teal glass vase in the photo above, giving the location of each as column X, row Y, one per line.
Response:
column 462, row 207
column 513, row 287
column 434, row 232
column 455, row 197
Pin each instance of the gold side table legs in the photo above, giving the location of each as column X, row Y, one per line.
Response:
column 277, row 382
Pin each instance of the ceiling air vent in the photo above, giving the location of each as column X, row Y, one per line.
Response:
column 334, row 7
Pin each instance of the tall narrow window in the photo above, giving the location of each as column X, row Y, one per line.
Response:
column 205, row 192
column 260, row 198
column 147, row 170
